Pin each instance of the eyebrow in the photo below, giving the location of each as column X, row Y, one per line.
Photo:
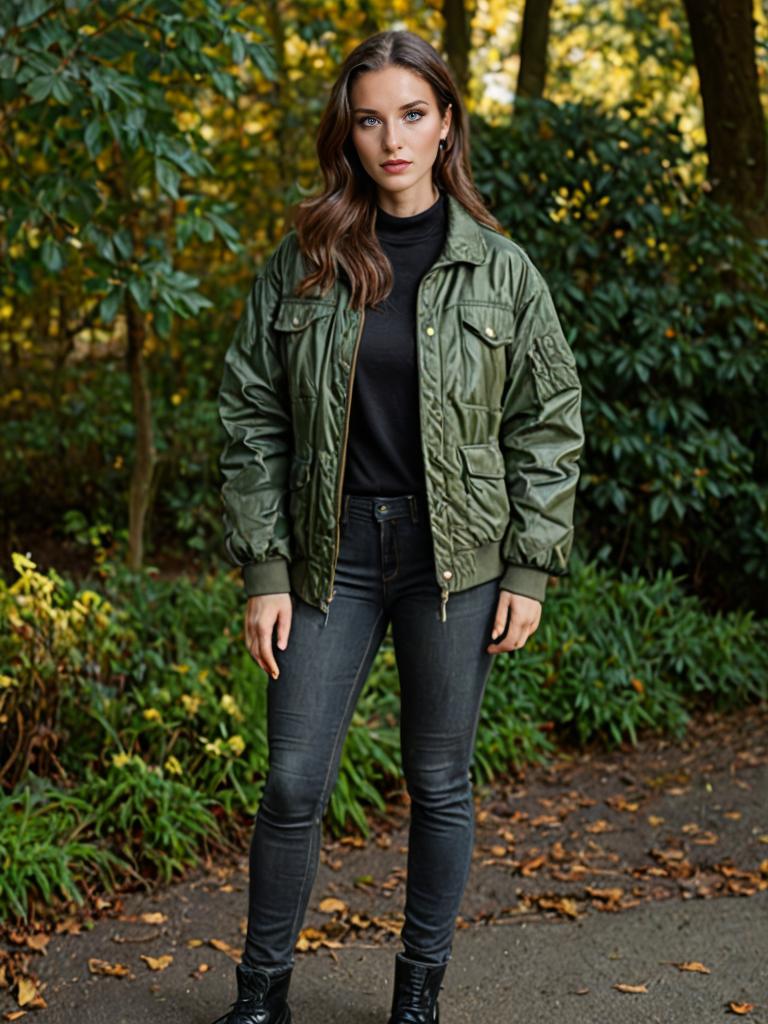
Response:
column 369, row 110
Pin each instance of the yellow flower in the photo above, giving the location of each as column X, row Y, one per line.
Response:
column 5, row 682
column 21, row 562
column 172, row 766
column 121, row 760
column 214, row 749
column 236, row 744
column 152, row 714
column 228, row 704
column 180, row 668
column 191, row 703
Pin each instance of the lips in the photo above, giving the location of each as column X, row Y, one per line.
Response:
column 396, row 163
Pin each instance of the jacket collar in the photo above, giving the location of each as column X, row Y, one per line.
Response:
column 464, row 239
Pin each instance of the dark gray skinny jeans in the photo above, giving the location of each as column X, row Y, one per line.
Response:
column 385, row 571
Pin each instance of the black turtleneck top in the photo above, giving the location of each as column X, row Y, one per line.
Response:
column 384, row 444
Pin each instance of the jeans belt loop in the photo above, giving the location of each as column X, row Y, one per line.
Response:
column 414, row 507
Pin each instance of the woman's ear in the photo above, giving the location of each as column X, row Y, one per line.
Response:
column 447, row 119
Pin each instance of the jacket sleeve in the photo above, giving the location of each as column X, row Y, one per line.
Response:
column 542, row 438
column 254, row 410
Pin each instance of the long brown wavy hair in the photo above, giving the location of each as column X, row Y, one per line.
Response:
column 335, row 229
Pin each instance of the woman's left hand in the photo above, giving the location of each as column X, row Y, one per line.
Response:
column 524, row 618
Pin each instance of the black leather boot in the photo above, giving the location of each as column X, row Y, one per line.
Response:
column 417, row 986
column 261, row 997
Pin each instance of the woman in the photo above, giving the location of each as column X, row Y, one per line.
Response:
column 448, row 470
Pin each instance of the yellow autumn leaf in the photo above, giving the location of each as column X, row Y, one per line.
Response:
column 96, row 966
column 224, row 947
column 331, row 905
column 693, row 965
column 26, row 992
column 157, row 963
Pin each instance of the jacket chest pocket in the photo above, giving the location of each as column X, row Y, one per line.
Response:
column 478, row 363
column 303, row 328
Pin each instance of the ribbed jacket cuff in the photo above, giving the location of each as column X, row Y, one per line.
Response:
column 268, row 577
column 529, row 582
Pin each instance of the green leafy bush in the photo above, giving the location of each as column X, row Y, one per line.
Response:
column 662, row 295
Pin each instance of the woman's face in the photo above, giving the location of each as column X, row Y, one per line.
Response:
column 395, row 117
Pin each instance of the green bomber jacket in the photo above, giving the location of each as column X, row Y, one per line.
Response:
column 499, row 408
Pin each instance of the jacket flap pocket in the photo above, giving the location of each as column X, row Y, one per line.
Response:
column 494, row 324
column 554, row 366
column 296, row 314
column 483, row 460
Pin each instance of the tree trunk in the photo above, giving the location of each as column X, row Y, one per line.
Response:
column 534, row 37
column 145, row 455
column 456, row 41
column 723, row 37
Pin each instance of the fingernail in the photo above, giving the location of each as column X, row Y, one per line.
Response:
column 275, row 675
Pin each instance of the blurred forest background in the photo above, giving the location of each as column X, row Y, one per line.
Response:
column 150, row 155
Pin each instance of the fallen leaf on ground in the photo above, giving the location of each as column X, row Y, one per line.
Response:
column 27, row 994
column 530, row 866
column 154, row 917
column 706, row 839
column 612, row 895
column 623, row 987
column 69, row 925
column 741, row 1007
column 14, row 1014
column 38, row 942
column 157, row 963
column 96, row 966
column 562, row 906
column 693, row 965
column 331, row 905
column 601, row 825
column 224, row 947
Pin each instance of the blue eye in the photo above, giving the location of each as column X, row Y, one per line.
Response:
column 372, row 117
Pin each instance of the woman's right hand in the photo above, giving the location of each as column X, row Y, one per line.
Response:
column 262, row 612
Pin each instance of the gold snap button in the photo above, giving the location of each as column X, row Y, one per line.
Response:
column 447, row 574
column 490, row 332
column 430, row 331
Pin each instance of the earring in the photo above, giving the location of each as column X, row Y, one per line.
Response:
column 442, row 143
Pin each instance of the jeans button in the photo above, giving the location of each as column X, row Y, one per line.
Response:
column 382, row 508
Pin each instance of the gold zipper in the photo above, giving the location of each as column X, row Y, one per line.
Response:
column 344, row 452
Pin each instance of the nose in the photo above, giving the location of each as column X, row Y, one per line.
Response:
column 391, row 139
